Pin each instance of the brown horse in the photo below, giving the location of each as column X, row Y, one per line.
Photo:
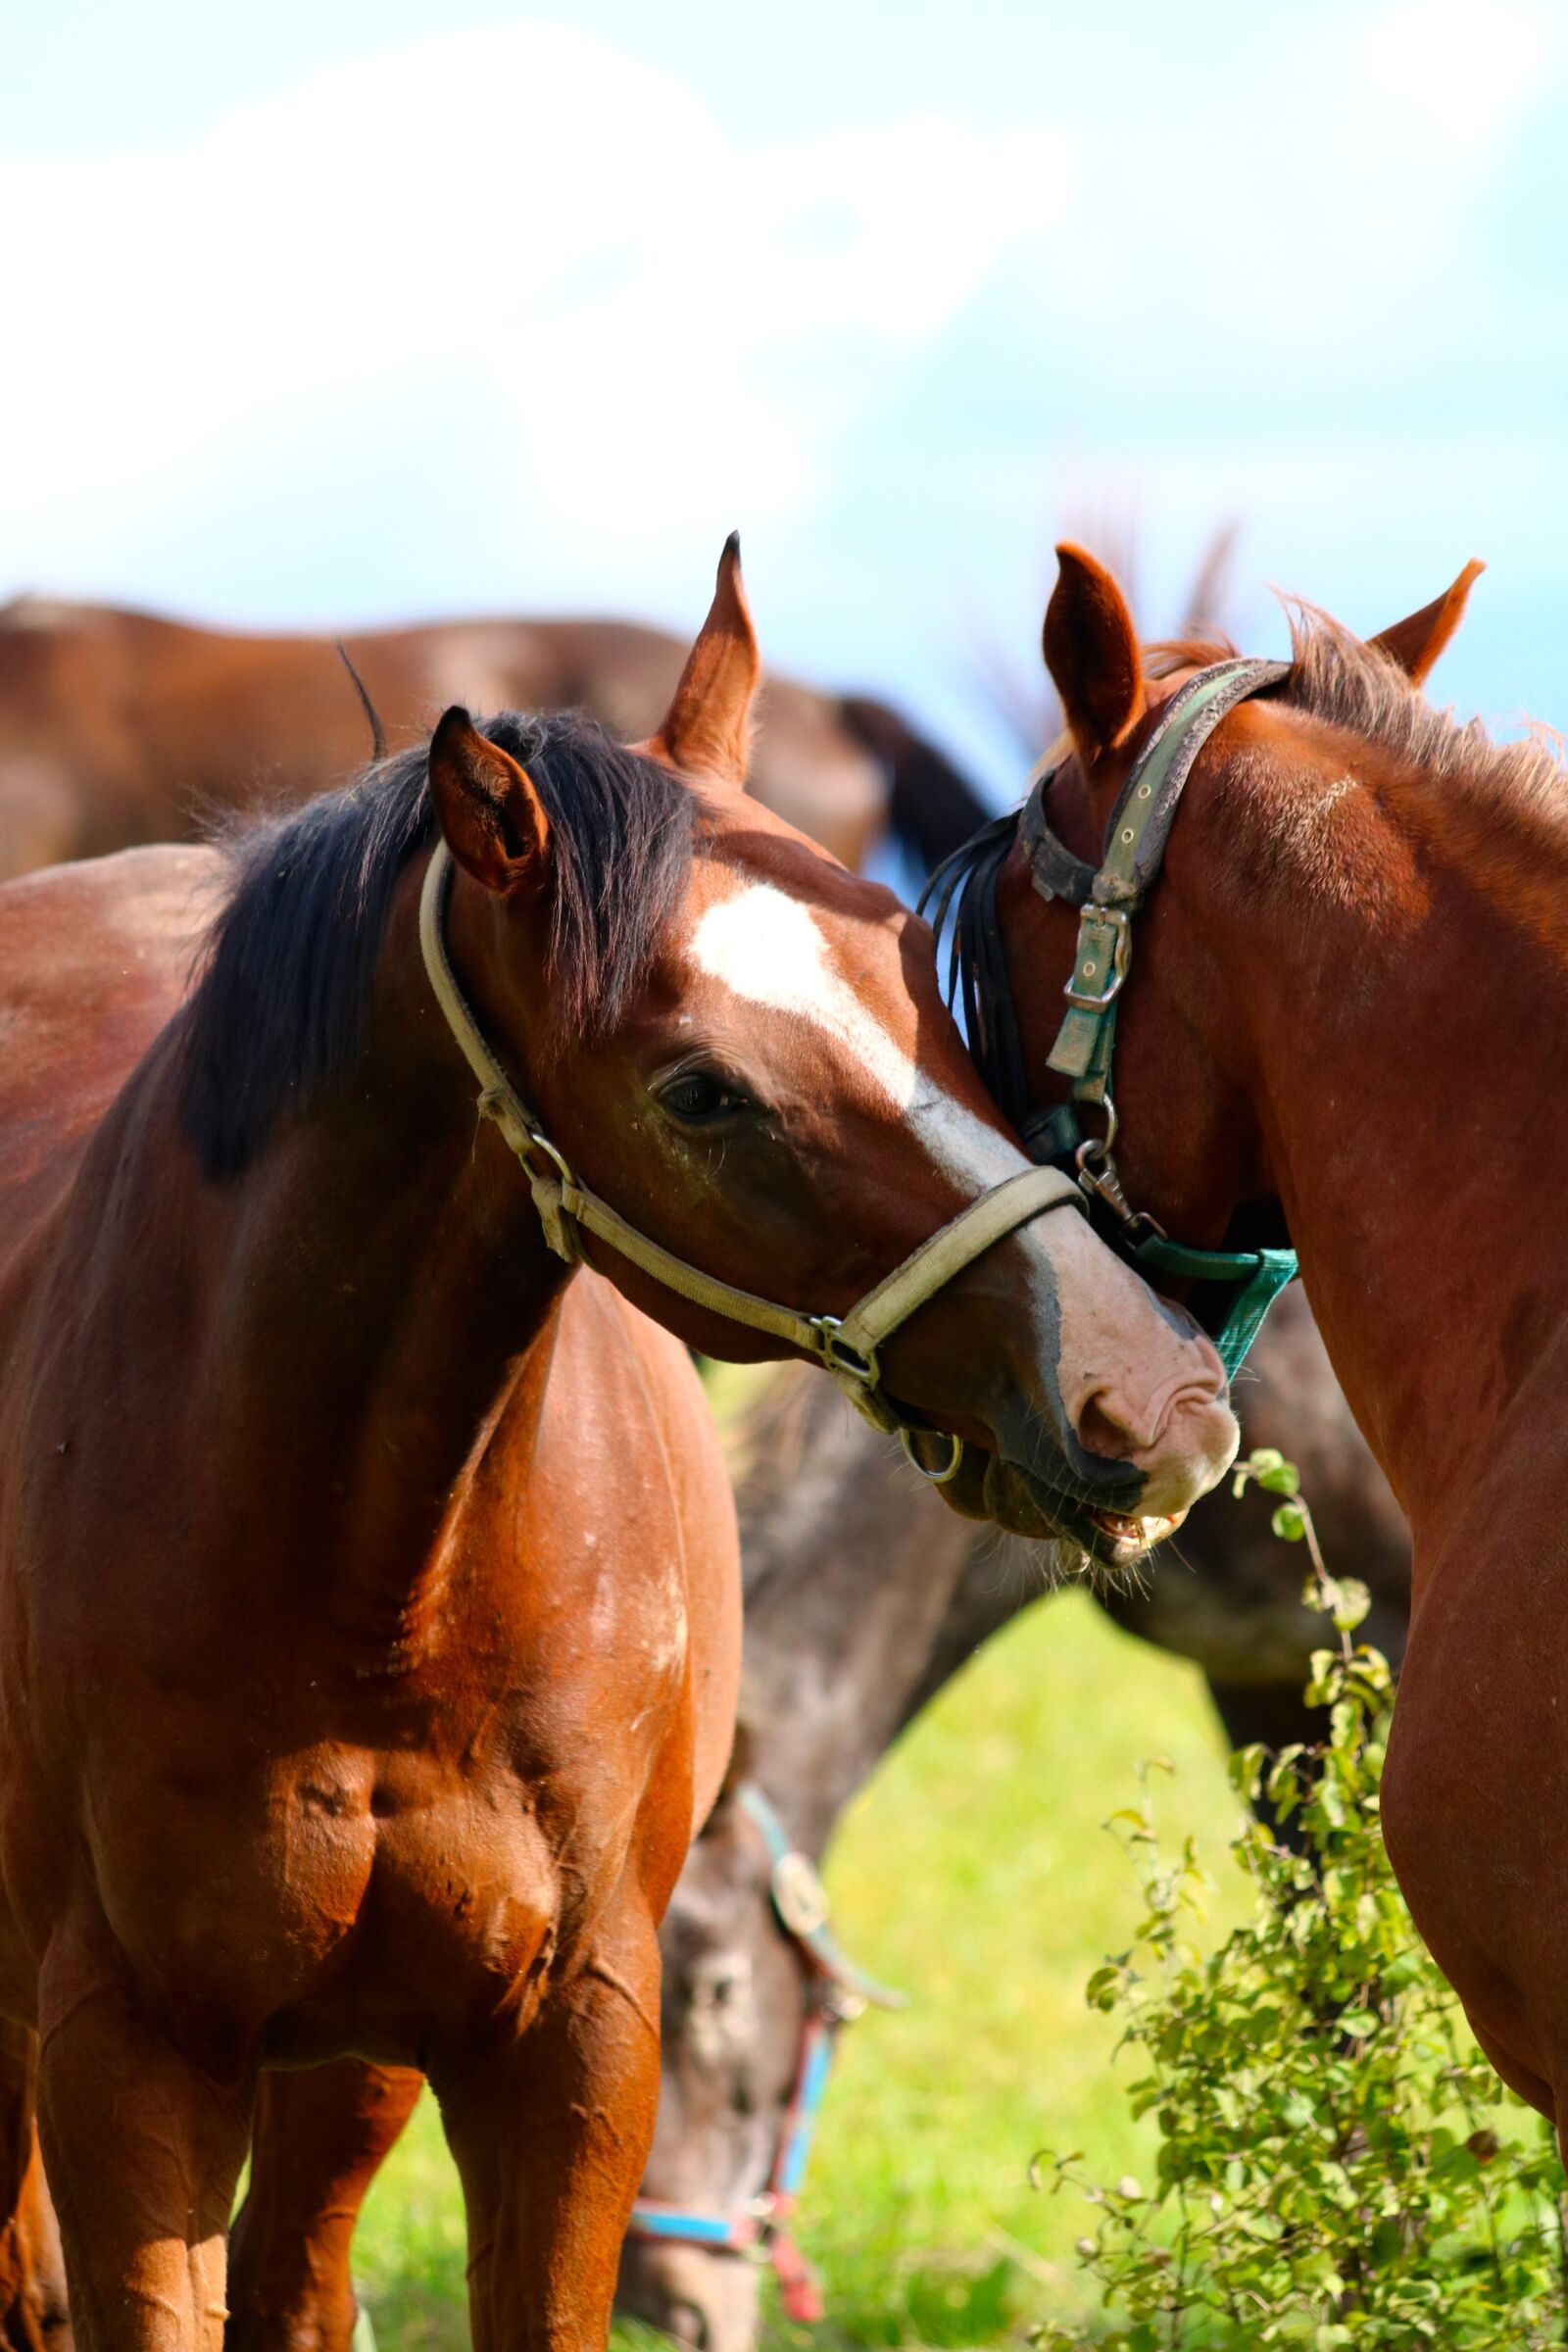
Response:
column 861, row 1600
column 118, row 728
column 1343, row 1023
column 367, row 1604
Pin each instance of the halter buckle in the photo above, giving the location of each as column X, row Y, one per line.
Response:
column 1117, row 923
column 847, row 1364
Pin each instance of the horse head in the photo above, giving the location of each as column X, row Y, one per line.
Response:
column 742, row 1048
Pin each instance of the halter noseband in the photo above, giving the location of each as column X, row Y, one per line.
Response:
column 847, row 1347
column 1108, row 896
column 836, row 1992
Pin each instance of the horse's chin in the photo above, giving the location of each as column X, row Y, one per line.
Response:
column 987, row 1488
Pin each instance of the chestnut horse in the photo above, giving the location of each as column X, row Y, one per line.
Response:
column 1343, row 1024
column 862, row 1599
column 368, row 1601
column 119, row 727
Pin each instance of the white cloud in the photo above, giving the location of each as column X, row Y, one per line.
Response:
column 1442, row 80
column 512, row 272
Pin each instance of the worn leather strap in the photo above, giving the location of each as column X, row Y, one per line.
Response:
column 1135, row 845
column 930, row 1268
column 847, row 1348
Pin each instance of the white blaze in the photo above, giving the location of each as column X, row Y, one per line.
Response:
column 1113, row 1341
column 765, row 946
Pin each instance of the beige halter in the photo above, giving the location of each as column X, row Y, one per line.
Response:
column 846, row 1347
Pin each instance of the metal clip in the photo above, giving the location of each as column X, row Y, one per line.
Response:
column 1099, row 1179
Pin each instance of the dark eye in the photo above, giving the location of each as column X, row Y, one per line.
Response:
column 697, row 1099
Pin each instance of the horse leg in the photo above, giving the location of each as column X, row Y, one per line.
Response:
column 32, row 2275
column 144, row 2150
column 551, row 2130
column 320, row 2137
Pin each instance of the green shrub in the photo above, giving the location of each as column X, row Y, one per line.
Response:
column 1337, row 2163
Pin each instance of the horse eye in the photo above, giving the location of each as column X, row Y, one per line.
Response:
column 697, row 1097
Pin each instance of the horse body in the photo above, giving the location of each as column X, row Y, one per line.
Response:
column 862, row 1599
column 406, row 1845
column 1347, row 1014
column 123, row 727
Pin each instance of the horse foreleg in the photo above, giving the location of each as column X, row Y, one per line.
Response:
column 320, row 2137
column 32, row 2273
column 551, row 2130
column 143, row 2150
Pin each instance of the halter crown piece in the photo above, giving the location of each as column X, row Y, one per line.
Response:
column 847, row 1347
column 1108, row 896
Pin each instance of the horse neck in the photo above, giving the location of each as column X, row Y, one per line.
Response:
column 396, row 1293
column 854, row 1583
column 1404, row 1023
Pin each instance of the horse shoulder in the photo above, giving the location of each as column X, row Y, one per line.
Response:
column 696, row 1477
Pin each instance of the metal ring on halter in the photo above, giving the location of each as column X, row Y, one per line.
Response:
column 542, row 1143
column 1097, row 1147
column 935, row 1478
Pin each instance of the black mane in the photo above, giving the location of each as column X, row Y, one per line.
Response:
column 279, row 1018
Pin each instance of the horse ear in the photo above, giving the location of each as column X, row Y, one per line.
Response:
column 1092, row 652
column 708, row 728
column 490, row 816
column 1415, row 644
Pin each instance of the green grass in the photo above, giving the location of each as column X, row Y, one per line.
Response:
column 973, row 1873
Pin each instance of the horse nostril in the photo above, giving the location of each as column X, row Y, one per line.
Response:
column 688, row 2324
column 1099, row 1431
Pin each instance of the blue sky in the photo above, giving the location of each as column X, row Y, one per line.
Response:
column 329, row 312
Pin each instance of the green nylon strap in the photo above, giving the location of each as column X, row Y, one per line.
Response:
column 1257, row 1277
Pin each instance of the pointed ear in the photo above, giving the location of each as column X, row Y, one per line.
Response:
column 1416, row 643
column 491, row 818
column 1092, row 652
column 708, row 728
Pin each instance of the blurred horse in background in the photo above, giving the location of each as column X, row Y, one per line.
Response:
column 120, row 727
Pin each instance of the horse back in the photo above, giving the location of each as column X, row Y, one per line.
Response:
column 94, row 960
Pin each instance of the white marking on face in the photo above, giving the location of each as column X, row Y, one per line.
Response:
column 767, row 948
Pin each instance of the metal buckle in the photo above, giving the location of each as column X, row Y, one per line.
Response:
column 799, row 1896
column 841, row 1359
column 1120, row 921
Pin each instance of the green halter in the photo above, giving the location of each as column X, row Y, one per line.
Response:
column 1109, row 898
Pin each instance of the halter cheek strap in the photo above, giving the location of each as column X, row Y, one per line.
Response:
column 836, row 1992
column 847, row 1347
column 1109, row 896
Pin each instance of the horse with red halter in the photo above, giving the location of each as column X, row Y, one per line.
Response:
column 120, row 727
column 368, row 1619
column 1314, row 947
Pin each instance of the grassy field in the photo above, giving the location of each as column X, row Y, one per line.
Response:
column 974, row 1874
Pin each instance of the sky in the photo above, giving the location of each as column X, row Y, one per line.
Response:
column 333, row 313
